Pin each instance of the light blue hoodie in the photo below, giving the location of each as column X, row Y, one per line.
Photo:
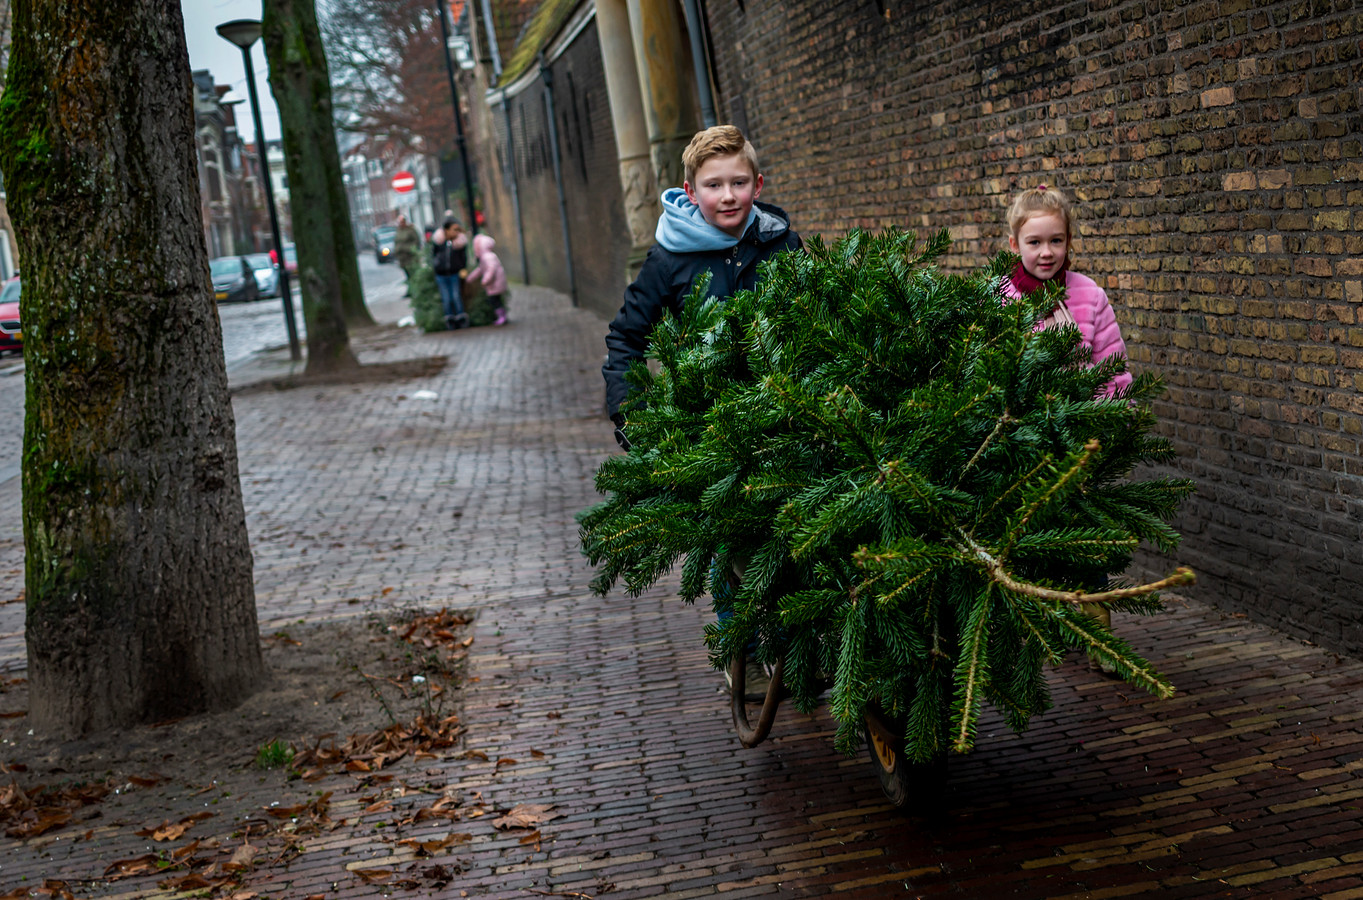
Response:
column 682, row 228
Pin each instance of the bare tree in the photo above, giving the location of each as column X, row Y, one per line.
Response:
column 388, row 72
column 138, row 570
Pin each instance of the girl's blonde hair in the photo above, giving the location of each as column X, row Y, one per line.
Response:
column 1038, row 201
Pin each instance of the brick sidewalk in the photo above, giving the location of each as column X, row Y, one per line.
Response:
column 1243, row 785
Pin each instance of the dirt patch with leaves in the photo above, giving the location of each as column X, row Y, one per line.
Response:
column 360, row 720
column 368, row 373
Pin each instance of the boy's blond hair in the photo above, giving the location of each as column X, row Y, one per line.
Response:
column 1038, row 201
column 719, row 140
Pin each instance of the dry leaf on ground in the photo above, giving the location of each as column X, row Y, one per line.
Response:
column 526, row 815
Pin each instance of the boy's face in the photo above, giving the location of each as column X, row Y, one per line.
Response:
column 724, row 189
column 1043, row 243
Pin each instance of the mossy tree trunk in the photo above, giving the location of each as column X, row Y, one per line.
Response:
column 328, row 271
column 138, row 569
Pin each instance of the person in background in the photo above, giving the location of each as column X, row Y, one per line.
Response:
column 1039, row 231
column 490, row 273
column 449, row 259
column 406, row 243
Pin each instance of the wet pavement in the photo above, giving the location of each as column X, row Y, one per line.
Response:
column 1244, row 784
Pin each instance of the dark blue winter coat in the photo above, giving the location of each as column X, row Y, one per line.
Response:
column 665, row 279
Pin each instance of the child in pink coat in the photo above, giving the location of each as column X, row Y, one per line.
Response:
column 1039, row 232
column 493, row 276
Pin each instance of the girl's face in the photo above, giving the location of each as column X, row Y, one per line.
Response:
column 1043, row 243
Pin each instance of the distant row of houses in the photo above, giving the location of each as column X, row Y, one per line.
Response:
column 232, row 202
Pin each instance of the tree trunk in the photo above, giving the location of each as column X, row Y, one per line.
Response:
column 138, row 569
column 327, row 269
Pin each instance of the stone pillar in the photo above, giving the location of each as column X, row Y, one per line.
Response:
column 668, row 83
column 640, row 187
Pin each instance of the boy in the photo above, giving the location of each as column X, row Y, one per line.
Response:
column 713, row 223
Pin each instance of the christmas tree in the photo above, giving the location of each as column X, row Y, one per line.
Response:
column 917, row 486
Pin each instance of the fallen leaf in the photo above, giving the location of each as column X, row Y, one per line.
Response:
column 426, row 848
column 475, row 754
column 185, row 851
column 150, row 781
column 531, row 838
column 285, row 812
column 244, row 855
column 526, row 815
column 373, row 875
column 381, row 806
column 538, row 754
column 127, row 868
column 190, row 882
column 505, row 761
column 57, row 890
column 14, row 715
column 44, row 820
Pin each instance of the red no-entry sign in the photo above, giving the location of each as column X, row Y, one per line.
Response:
column 403, row 182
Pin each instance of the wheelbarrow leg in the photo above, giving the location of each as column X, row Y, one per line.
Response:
column 748, row 734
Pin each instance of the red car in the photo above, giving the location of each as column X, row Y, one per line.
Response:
column 11, row 335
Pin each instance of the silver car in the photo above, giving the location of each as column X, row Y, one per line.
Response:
column 266, row 272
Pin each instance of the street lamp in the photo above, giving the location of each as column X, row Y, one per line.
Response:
column 244, row 33
column 458, row 116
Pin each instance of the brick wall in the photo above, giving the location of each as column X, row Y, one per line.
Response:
column 591, row 180
column 1213, row 149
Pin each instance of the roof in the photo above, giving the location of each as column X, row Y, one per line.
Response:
column 539, row 31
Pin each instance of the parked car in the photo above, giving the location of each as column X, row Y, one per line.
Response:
column 383, row 243
column 11, row 335
column 233, row 280
column 266, row 272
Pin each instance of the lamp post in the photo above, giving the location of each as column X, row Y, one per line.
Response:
column 244, row 33
column 458, row 116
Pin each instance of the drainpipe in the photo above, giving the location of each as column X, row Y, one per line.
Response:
column 515, row 190
column 700, row 63
column 492, row 41
column 548, row 77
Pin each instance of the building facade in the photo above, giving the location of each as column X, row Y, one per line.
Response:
column 1213, row 151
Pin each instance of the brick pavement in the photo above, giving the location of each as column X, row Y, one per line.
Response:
column 1245, row 784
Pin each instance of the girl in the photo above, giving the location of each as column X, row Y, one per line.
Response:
column 491, row 274
column 1039, row 232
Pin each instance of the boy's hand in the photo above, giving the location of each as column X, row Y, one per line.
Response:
column 619, row 420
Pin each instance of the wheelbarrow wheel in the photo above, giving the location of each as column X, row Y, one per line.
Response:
column 904, row 783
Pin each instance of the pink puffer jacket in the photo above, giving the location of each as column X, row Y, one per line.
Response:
column 1097, row 322
column 489, row 269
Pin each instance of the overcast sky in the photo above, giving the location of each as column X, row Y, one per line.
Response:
column 208, row 51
